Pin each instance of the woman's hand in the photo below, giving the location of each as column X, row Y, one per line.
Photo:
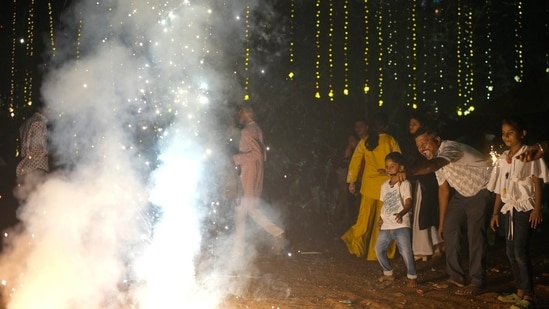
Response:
column 352, row 188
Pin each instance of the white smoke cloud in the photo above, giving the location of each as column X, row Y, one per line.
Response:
column 133, row 107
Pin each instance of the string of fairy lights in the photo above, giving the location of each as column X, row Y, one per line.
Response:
column 412, row 96
column 380, row 46
column 346, row 47
column 291, row 74
column 11, row 102
column 79, row 36
column 385, row 59
column 29, row 52
column 331, row 51
column 51, row 28
column 465, row 55
column 366, row 47
column 247, row 54
column 547, row 36
column 519, row 64
column 317, row 48
column 488, row 54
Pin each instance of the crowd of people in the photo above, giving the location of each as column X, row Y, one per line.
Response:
column 441, row 194
column 419, row 195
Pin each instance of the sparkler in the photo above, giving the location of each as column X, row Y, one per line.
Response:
column 494, row 155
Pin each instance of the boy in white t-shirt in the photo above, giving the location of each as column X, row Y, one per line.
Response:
column 394, row 221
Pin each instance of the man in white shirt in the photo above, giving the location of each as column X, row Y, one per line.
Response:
column 462, row 173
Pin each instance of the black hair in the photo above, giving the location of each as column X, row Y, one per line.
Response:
column 420, row 117
column 516, row 122
column 396, row 157
column 425, row 130
column 380, row 120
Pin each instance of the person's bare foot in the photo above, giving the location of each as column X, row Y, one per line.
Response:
column 412, row 283
column 439, row 249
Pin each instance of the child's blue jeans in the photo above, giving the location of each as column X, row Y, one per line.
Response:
column 404, row 243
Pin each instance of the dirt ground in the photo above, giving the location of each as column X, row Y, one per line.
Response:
column 320, row 273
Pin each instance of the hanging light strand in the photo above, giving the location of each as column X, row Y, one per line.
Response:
column 345, row 47
column 79, row 36
column 331, row 51
column 291, row 74
column 29, row 53
column 488, row 52
column 459, row 71
column 519, row 64
column 247, row 55
column 11, row 104
column 317, row 46
column 366, row 47
column 470, row 77
column 413, row 48
column 51, row 28
column 381, row 59
column 546, row 25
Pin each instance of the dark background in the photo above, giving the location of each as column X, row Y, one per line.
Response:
column 306, row 132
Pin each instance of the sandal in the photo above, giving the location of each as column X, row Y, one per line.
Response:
column 455, row 283
column 523, row 304
column 446, row 284
column 385, row 278
column 469, row 290
column 412, row 283
column 510, row 298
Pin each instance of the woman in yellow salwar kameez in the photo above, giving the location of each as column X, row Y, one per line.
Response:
column 361, row 237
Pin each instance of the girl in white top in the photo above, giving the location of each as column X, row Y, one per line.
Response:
column 518, row 186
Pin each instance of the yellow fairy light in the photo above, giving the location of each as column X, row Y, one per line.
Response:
column 79, row 36
column 413, row 45
column 366, row 47
column 247, row 54
column 317, row 46
column 380, row 26
column 464, row 53
column 11, row 105
column 488, row 53
column 519, row 64
column 331, row 51
column 459, row 40
column 29, row 53
column 52, row 41
column 291, row 44
column 345, row 47
column 546, row 24
column 471, row 75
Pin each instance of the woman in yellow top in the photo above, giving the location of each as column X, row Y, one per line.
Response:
column 361, row 237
